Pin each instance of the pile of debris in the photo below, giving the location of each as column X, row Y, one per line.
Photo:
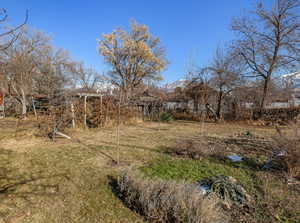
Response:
column 192, row 148
column 226, row 188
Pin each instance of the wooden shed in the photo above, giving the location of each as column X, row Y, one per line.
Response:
column 147, row 103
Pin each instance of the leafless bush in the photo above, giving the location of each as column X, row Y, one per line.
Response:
column 281, row 116
column 168, row 201
column 104, row 112
column 56, row 117
column 194, row 148
column 287, row 150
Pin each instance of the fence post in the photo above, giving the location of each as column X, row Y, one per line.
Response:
column 73, row 115
column 84, row 111
column 2, row 105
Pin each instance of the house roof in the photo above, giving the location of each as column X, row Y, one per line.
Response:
column 294, row 75
column 145, row 96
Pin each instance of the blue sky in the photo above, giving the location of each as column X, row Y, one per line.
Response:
column 190, row 30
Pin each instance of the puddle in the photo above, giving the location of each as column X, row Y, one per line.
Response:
column 235, row 158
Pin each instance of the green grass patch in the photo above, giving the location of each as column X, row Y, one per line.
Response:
column 194, row 170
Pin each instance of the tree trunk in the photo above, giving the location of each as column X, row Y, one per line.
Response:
column 73, row 115
column 264, row 96
column 211, row 110
column 219, row 106
column 84, row 118
column 23, row 101
column 34, row 109
column 196, row 105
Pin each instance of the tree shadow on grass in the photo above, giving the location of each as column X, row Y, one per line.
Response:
column 22, row 189
column 114, row 185
column 24, row 192
column 112, row 146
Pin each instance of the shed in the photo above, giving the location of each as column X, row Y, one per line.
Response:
column 148, row 103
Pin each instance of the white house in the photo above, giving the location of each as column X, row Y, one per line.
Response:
column 294, row 80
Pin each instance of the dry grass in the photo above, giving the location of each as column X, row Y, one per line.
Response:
column 245, row 144
column 169, row 201
column 67, row 181
column 289, row 145
column 279, row 200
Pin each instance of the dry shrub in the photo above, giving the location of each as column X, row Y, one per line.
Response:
column 187, row 116
column 57, row 118
column 289, row 148
column 279, row 200
column 195, row 148
column 277, row 115
column 104, row 112
column 169, row 201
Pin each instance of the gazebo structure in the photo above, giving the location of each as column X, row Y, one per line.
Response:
column 147, row 103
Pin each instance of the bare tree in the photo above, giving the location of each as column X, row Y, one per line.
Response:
column 198, row 88
column 134, row 57
column 8, row 35
column 86, row 78
column 225, row 73
column 20, row 66
column 269, row 41
column 54, row 69
column 26, row 66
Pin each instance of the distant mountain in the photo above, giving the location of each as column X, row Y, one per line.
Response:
column 173, row 85
column 295, row 75
column 293, row 79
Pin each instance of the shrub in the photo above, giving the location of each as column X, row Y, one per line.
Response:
column 287, row 151
column 196, row 148
column 187, row 116
column 168, row 201
column 277, row 115
column 166, row 117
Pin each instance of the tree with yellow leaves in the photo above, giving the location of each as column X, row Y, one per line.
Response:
column 134, row 57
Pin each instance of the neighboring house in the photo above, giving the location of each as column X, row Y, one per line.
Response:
column 294, row 80
column 147, row 103
column 173, row 104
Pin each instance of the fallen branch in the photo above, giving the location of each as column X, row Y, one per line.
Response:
column 63, row 135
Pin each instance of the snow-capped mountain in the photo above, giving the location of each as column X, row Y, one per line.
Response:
column 173, row 85
column 295, row 75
